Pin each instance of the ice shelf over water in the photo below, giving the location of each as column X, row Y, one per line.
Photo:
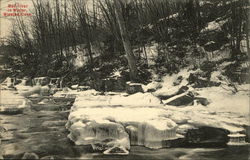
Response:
column 109, row 122
column 96, row 119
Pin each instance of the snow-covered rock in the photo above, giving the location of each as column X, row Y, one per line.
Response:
column 214, row 25
column 151, row 87
column 132, row 88
column 45, row 91
column 74, row 86
column 28, row 90
column 172, row 84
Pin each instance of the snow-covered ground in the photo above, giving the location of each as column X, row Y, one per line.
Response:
column 168, row 86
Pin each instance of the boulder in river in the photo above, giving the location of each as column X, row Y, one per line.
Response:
column 132, row 88
column 28, row 90
column 83, row 88
column 181, row 90
column 45, row 91
column 201, row 100
column 207, row 137
column 116, row 84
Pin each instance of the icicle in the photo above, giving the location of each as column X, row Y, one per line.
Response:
column 237, row 139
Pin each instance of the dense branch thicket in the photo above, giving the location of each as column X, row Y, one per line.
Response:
column 186, row 31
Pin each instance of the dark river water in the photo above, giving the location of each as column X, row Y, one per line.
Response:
column 142, row 153
column 41, row 130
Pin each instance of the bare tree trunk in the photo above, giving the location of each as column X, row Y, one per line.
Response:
column 125, row 40
column 247, row 37
column 146, row 54
column 247, row 27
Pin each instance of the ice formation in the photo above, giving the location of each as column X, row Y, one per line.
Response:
column 104, row 120
column 144, row 126
column 237, row 139
column 114, row 122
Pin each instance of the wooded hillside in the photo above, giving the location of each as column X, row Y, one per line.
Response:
column 92, row 40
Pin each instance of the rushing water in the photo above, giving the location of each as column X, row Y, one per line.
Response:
column 42, row 131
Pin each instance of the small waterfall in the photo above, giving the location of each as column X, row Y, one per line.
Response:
column 36, row 82
column 39, row 82
column 237, row 139
column 55, row 82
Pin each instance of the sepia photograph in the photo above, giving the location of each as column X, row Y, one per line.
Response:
column 125, row 79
